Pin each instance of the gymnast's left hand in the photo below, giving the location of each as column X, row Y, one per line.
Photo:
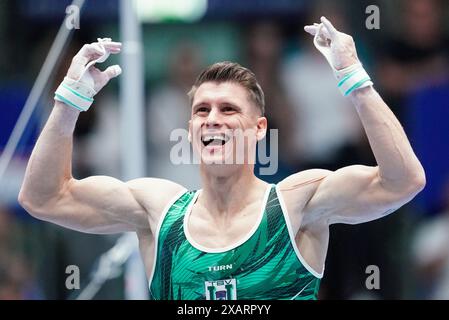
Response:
column 338, row 46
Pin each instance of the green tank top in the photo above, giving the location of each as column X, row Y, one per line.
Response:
column 265, row 265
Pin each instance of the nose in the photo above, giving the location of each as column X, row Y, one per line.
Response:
column 213, row 118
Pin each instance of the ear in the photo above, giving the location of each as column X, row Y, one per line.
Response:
column 262, row 125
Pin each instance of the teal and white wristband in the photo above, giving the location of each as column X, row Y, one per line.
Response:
column 352, row 78
column 75, row 94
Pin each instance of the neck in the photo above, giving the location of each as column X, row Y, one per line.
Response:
column 229, row 194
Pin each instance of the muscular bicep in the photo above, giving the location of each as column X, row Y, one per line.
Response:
column 354, row 194
column 97, row 204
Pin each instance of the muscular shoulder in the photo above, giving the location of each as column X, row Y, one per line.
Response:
column 307, row 178
column 297, row 190
column 153, row 193
column 154, row 184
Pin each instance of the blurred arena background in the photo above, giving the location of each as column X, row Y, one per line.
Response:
column 408, row 58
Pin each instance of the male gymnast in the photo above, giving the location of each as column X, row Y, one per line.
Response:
column 238, row 237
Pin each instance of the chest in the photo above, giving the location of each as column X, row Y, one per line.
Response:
column 222, row 231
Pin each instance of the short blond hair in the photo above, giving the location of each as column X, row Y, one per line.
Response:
column 227, row 71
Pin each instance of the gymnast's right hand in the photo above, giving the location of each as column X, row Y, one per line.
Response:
column 84, row 80
column 83, row 67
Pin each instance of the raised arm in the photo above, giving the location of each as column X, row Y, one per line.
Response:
column 359, row 193
column 95, row 204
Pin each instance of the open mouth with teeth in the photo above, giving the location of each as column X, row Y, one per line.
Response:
column 215, row 140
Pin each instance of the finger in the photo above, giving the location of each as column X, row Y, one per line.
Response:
column 114, row 50
column 90, row 52
column 329, row 27
column 315, row 28
column 311, row 29
column 112, row 45
column 112, row 71
column 95, row 50
column 108, row 41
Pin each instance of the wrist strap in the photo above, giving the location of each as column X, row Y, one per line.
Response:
column 352, row 78
column 75, row 94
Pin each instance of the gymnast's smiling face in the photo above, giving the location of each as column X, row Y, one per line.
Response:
column 225, row 125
